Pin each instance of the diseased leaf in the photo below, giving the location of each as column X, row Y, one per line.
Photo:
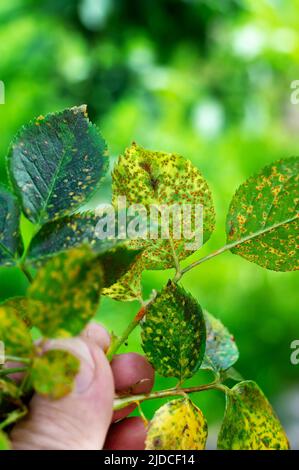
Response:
column 250, row 422
column 67, row 291
column 56, row 163
column 10, row 238
column 221, row 349
column 264, row 212
column 67, row 233
column 53, row 374
column 177, row 425
column 4, row 441
column 14, row 333
column 174, row 333
column 122, row 273
column 21, row 306
column 157, row 178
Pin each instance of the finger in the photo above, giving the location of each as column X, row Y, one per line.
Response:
column 98, row 334
column 132, row 375
column 129, row 434
column 81, row 419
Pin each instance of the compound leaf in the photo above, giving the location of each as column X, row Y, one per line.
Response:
column 10, row 238
column 250, row 422
column 263, row 215
column 221, row 349
column 177, row 425
column 174, row 333
column 53, row 373
column 56, row 163
column 14, row 333
column 158, row 178
column 66, row 293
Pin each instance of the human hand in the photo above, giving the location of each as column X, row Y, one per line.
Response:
column 84, row 419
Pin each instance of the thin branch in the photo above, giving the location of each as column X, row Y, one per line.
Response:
column 236, row 243
column 14, row 417
column 26, row 272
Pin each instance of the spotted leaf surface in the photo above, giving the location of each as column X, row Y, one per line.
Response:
column 67, row 233
column 221, row 349
column 4, row 441
column 56, row 163
column 264, row 214
column 53, row 374
column 177, row 425
column 174, row 333
column 14, row 333
column 21, row 307
column 10, row 239
column 250, row 422
column 66, row 293
column 157, row 178
column 122, row 273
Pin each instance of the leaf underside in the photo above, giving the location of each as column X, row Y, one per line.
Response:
column 177, row 425
column 56, row 163
column 150, row 178
column 174, row 334
column 250, row 422
column 10, row 238
column 221, row 349
column 265, row 208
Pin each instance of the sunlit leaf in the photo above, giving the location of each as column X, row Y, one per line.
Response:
column 174, row 333
column 157, row 178
column 221, row 349
column 14, row 333
column 265, row 210
column 53, row 374
column 4, row 441
column 56, row 163
column 10, row 239
column 67, row 289
column 250, row 422
column 177, row 425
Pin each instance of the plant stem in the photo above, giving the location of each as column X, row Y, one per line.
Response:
column 12, row 370
column 229, row 246
column 13, row 417
column 26, row 273
column 176, row 261
column 23, row 360
column 122, row 402
column 116, row 344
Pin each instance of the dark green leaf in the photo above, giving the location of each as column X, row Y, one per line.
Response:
column 250, row 422
column 174, row 333
column 10, row 239
column 221, row 349
column 53, row 374
column 264, row 213
column 56, row 164
column 177, row 425
column 14, row 333
column 158, row 178
column 66, row 292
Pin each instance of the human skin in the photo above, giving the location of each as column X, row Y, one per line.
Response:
column 84, row 419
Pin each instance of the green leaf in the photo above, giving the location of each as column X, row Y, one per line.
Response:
column 10, row 238
column 263, row 215
column 157, row 178
column 4, row 441
column 53, row 374
column 231, row 374
column 56, row 163
column 67, row 233
column 177, row 425
column 174, row 333
column 21, row 306
column 9, row 389
column 14, row 333
column 66, row 293
column 250, row 422
column 122, row 273
column 221, row 349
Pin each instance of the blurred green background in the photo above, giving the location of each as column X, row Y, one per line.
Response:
column 208, row 79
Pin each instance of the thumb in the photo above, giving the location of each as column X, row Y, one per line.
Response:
column 81, row 419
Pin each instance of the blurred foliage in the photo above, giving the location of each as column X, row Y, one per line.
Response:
column 207, row 79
